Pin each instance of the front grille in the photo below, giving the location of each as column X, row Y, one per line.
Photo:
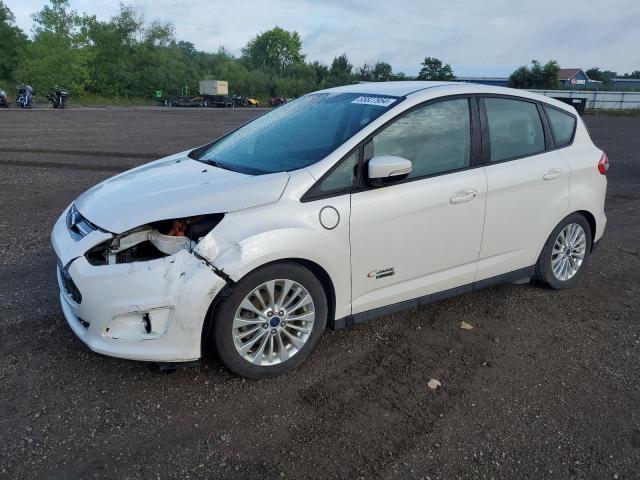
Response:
column 78, row 226
column 69, row 286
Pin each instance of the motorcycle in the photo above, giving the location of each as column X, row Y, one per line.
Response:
column 4, row 100
column 239, row 101
column 58, row 98
column 25, row 96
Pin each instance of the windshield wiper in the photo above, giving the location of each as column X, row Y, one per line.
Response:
column 216, row 164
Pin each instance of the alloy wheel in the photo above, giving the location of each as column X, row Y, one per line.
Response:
column 568, row 251
column 273, row 322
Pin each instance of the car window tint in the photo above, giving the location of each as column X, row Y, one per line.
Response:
column 515, row 128
column 296, row 134
column 562, row 125
column 341, row 178
column 436, row 138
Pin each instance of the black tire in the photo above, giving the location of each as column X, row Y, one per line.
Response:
column 544, row 271
column 222, row 334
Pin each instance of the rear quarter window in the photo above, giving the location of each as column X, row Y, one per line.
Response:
column 562, row 125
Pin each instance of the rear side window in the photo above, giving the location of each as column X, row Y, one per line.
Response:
column 562, row 126
column 436, row 138
column 515, row 128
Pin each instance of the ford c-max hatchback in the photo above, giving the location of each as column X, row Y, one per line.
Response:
column 343, row 205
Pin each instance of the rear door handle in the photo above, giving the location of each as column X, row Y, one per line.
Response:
column 552, row 174
column 463, row 196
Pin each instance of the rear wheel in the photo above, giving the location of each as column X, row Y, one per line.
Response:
column 271, row 322
column 565, row 253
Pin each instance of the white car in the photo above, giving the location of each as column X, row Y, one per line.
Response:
column 343, row 205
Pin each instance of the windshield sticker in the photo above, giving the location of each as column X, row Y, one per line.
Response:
column 378, row 101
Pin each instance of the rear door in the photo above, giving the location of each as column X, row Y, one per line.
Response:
column 527, row 182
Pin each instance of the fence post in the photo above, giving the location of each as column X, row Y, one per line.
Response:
column 622, row 100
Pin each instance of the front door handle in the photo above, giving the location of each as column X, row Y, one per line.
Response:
column 552, row 174
column 463, row 196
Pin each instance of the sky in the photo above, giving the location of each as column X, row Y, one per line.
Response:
column 477, row 37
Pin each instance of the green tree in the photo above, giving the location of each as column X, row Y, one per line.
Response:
column 57, row 54
column 341, row 72
column 380, row 72
column 274, row 50
column 634, row 74
column 595, row 73
column 537, row 76
column 434, row 69
column 12, row 42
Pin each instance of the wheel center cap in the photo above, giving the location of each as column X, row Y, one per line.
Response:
column 274, row 322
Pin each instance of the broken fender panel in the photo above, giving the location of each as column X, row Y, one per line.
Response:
column 177, row 188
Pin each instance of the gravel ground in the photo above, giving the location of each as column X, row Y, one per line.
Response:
column 546, row 384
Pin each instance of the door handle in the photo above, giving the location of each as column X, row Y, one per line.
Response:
column 463, row 196
column 552, row 174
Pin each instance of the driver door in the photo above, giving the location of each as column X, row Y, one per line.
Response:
column 421, row 235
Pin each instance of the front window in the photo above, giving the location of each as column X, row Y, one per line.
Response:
column 297, row 134
column 436, row 138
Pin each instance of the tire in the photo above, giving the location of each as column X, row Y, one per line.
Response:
column 551, row 268
column 297, row 330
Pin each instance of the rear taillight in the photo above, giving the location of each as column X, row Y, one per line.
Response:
column 603, row 164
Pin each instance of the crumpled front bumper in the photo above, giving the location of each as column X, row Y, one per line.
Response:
column 152, row 311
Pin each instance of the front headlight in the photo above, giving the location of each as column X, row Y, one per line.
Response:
column 154, row 241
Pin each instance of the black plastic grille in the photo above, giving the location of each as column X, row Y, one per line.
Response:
column 69, row 285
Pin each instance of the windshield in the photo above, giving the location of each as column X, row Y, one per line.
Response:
column 296, row 134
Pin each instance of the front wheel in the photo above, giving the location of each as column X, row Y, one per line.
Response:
column 271, row 321
column 565, row 253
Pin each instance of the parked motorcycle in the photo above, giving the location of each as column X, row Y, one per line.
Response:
column 4, row 100
column 58, row 98
column 25, row 96
column 239, row 101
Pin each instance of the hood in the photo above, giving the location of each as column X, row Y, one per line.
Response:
column 174, row 187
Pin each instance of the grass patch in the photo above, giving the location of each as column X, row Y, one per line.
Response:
column 97, row 101
column 621, row 112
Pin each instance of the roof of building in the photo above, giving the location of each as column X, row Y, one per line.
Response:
column 568, row 73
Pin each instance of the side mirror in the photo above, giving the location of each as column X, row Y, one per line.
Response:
column 387, row 169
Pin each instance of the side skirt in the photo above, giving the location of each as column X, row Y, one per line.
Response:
column 351, row 320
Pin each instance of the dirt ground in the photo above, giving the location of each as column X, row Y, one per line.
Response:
column 546, row 385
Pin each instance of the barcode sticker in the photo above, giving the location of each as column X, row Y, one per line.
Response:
column 378, row 101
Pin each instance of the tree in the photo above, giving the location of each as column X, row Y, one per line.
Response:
column 380, row 72
column 634, row 74
column 57, row 54
column 537, row 76
column 595, row 73
column 434, row 69
column 12, row 41
column 341, row 65
column 274, row 50
column 341, row 72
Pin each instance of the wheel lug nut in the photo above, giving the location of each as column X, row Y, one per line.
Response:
column 273, row 331
column 269, row 314
column 265, row 326
column 281, row 312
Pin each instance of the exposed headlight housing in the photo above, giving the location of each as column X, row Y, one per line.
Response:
column 153, row 241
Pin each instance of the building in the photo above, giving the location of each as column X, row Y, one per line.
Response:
column 575, row 78
column 625, row 83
